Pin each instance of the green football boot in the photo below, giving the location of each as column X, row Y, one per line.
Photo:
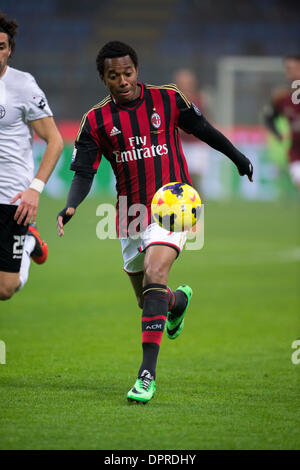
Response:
column 143, row 389
column 175, row 326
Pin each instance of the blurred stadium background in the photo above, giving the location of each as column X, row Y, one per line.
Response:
column 235, row 48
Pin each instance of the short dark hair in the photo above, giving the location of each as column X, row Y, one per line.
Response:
column 114, row 49
column 10, row 28
column 292, row 57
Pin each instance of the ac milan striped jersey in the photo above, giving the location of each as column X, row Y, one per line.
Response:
column 141, row 143
column 283, row 105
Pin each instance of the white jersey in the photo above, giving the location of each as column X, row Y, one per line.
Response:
column 21, row 101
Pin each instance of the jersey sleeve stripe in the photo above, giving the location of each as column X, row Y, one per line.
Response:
column 173, row 87
column 99, row 105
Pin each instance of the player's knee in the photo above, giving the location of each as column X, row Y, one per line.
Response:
column 6, row 292
column 8, row 288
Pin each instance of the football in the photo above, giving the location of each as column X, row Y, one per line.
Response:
column 176, row 207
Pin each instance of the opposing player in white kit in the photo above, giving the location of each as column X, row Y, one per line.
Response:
column 23, row 109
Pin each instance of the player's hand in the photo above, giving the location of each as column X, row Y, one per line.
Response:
column 28, row 206
column 245, row 167
column 62, row 218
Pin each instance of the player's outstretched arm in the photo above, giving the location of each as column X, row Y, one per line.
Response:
column 79, row 189
column 195, row 122
column 62, row 218
column 29, row 199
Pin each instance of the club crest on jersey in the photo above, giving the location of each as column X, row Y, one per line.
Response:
column 156, row 120
column 2, row 111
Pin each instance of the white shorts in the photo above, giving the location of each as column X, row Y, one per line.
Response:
column 133, row 250
column 295, row 172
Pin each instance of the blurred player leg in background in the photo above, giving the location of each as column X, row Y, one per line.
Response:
column 18, row 244
column 295, row 173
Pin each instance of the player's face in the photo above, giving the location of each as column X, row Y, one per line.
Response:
column 186, row 81
column 5, row 52
column 120, row 77
column 292, row 69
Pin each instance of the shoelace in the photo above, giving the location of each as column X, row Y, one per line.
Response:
column 145, row 382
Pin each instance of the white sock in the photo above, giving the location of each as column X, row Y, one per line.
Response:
column 29, row 246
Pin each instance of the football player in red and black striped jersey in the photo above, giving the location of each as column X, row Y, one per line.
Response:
column 285, row 104
column 136, row 129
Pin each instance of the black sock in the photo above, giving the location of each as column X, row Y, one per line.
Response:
column 150, row 353
column 154, row 316
column 179, row 304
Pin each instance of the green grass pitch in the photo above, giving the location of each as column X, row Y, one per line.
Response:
column 73, row 341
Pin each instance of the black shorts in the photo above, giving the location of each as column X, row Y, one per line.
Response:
column 12, row 238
